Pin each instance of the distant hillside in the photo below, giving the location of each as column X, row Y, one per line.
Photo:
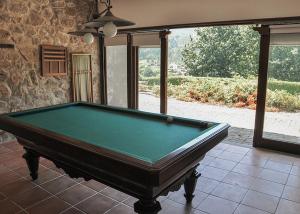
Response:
column 177, row 40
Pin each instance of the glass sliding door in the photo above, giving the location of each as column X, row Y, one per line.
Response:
column 282, row 110
column 148, row 67
column 213, row 77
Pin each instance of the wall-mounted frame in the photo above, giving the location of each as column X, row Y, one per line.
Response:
column 54, row 60
column 82, row 77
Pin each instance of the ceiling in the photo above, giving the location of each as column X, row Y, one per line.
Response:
column 146, row 13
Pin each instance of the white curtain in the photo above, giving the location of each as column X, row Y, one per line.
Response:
column 82, row 78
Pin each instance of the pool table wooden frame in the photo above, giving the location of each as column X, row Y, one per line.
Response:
column 135, row 177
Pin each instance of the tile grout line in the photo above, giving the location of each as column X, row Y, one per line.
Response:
column 120, row 203
column 74, row 205
column 69, row 208
column 38, row 202
column 56, row 195
column 100, row 193
column 22, row 209
column 251, row 166
column 284, row 188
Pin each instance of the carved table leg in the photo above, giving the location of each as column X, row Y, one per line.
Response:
column 151, row 206
column 190, row 185
column 32, row 160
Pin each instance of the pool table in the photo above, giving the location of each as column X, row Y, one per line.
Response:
column 142, row 154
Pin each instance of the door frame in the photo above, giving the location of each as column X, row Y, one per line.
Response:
column 164, row 48
column 258, row 139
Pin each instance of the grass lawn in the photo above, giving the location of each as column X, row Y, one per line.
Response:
column 237, row 92
column 290, row 87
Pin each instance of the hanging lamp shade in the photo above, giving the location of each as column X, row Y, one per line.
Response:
column 106, row 18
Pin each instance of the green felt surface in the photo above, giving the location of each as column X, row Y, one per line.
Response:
column 131, row 134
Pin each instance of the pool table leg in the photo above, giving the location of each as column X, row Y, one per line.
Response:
column 190, row 185
column 151, row 206
column 32, row 160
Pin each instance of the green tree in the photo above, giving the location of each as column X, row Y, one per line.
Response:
column 222, row 52
column 284, row 63
column 148, row 72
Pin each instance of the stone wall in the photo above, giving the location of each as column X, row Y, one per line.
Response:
column 28, row 24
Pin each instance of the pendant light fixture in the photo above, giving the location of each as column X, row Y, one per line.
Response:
column 105, row 20
column 108, row 21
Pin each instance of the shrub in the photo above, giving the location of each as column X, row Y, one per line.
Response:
column 237, row 92
column 282, row 100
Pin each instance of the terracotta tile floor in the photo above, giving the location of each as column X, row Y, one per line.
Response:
column 234, row 179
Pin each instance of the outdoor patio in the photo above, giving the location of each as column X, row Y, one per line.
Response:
column 235, row 179
column 280, row 125
column 244, row 137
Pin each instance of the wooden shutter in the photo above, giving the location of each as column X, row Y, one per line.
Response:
column 54, row 60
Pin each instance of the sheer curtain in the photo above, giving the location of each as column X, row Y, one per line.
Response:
column 82, row 78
